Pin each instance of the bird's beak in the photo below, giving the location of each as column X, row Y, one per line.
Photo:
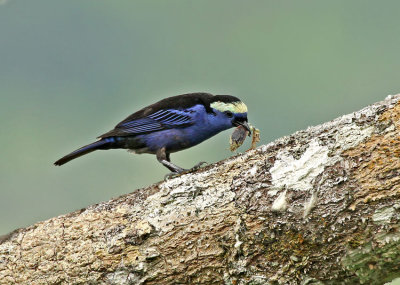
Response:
column 244, row 125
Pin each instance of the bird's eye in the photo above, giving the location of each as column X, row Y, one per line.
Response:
column 229, row 114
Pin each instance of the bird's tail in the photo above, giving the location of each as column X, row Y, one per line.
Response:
column 105, row 143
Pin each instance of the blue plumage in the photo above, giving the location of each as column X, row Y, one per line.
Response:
column 161, row 120
column 171, row 125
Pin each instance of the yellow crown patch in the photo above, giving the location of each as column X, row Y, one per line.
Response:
column 235, row 107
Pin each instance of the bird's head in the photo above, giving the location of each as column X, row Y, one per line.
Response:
column 229, row 112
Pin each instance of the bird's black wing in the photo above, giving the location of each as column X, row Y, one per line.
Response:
column 157, row 121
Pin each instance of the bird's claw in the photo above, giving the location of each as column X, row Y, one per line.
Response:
column 172, row 175
column 184, row 171
column 198, row 166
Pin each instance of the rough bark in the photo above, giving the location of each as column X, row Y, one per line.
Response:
column 319, row 206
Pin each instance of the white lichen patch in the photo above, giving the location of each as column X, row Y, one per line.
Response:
column 238, row 243
column 151, row 253
column 188, row 193
column 351, row 135
column 143, row 228
column 310, row 204
column 298, row 174
column 383, row 216
column 280, row 203
column 273, row 192
column 253, row 171
column 121, row 277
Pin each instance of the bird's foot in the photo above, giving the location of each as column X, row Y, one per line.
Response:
column 197, row 166
column 173, row 175
column 181, row 171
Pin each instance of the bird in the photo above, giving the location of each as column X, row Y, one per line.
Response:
column 171, row 125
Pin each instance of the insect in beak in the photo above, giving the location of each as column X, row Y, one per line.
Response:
column 244, row 124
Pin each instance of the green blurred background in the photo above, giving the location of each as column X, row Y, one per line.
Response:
column 70, row 70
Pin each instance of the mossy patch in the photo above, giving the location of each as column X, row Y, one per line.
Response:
column 367, row 260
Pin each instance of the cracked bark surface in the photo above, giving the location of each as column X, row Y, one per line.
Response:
column 318, row 207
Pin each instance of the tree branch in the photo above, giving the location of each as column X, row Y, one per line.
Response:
column 321, row 205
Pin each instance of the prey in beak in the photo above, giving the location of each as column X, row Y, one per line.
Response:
column 244, row 124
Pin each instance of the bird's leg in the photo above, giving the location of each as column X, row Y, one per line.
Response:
column 164, row 159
